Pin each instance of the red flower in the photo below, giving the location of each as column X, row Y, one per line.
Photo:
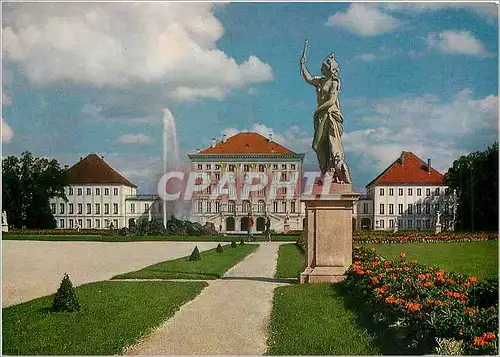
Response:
column 478, row 341
column 374, row 280
column 488, row 336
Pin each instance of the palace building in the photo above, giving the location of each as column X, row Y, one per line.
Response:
column 409, row 193
column 246, row 158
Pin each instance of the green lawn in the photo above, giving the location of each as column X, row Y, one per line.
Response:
column 211, row 266
column 291, row 261
column 311, row 319
column 471, row 258
column 114, row 315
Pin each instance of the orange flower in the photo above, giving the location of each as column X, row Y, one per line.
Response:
column 430, row 301
column 488, row 336
column 470, row 310
column 414, row 262
column 460, row 332
column 473, row 279
column 390, row 299
column 412, row 306
column 451, row 281
column 430, row 267
column 427, row 283
column 374, row 280
column 368, row 271
column 478, row 341
column 381, row 275
column 402, row 255
column 421, row 276
column 373, row 249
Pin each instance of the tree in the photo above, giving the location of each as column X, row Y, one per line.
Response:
column 475, row 179
column 28, row 185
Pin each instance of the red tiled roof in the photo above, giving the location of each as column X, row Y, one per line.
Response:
column 408, row 169
column 94, row 170
column 247, row 143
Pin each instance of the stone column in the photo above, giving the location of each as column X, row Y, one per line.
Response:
column 329, row 241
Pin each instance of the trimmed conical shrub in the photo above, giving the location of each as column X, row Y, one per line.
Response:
column 65, row 298
column 242, row 241
column 233, row 244
column 195, row 255
column 219, row 249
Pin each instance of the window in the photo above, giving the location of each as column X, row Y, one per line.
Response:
column 283, row 176
column 419, row 223
column 437, row 191
column 89, row 191
column 98, row 223
column 436, row 208
column 382, row 223
column 71, row 225
column 208, row 167
column 199, row 207
column 80, row 208
column 231, row 206
column 246, row 206
column 106, row 208
column 61, row 208
column 292, row 207
column 200, row 167
column 427, row 224
column 365, row 207
column 419, row 208
column 115, row 223
column 391, row 208
column 61, row 223
column 381, row 192
column 400, row 192
column 53, row 208
column 283, row 206
column 209, row 207
column 292, row 166
column 381, row 208
column 115, row 191
column 410, row 208
column 427, row 208
column 89, row 223
column 261, row 168
column 132, row 208
column 410, row 223
column 89, row 208
column 400, row 208
column 70, row 191
column 283, row 166
column 97, row 208
column 79, row 191
column 428, row 192
column 217, row 206
column 275, row 206
column 106, row 192
column 391, row 223
column 80, row 223
column 146, row 207
column 446, row 208
column 275, row 167
column 391, row 192
column 400, row 223
column 97, row 191
column 115, row 208
column 71, row 208
column 410, row 192
column 231, row 168
column 217, row 166
column 246, row 168
column 106, row 223
column 217, row 176
column 419, row 192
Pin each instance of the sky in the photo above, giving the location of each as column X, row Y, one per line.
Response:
column 81, row 78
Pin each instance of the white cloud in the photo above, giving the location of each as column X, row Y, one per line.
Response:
column 366, row 57
column 364, row 20
column 135, row 139
column 425, row 125
column 488, row 11
column 458, row 42
column 6, row 100
column 118, row 44
column 7, row 133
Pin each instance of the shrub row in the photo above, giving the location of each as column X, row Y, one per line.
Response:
column 64, row 232
column 421, row 305
column 421, row 237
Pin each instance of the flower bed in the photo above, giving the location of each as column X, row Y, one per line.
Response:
column 420, row 237
column 421, row 305
column 63, row 232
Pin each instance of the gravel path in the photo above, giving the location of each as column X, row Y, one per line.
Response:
column 229, row 317
column 33, row 269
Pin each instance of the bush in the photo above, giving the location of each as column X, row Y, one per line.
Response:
column 233, row 244
column 424, row 304
column 195, row 255
column 219, row 249
column 242, row 241
column 65, row 299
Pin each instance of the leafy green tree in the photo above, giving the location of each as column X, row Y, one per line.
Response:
column 28, row 185
column 475, row 179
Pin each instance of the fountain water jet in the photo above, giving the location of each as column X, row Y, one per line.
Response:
column 169, row 136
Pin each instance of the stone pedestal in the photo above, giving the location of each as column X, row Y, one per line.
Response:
column 329, row 229
column 438, row 228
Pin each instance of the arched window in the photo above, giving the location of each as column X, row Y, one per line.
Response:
column 231, row 206
column 246, row 206
column 261, row 206
column 217, row 206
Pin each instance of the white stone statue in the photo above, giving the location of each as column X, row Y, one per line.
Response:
column 5, row 224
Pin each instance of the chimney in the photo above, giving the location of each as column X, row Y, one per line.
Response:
column 270, row 138
column 224, row 138
column 429, row 165
column 197, row 151
column 214, row 142
column 402, row 158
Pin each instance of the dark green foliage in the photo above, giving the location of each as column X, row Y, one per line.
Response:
column 144, row 227
column 485, row 293
column 65, row 299
column 242, row 241
column 28, row 184
column 219, row 249
column 195, row 255
column 233, row 244
column 475, row 179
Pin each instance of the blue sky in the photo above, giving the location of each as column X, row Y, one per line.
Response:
column 92, row 77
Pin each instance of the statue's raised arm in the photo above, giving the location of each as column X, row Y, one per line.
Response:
column 303, row 68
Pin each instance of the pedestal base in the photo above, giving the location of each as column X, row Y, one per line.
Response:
column 438, row 228
column 329, row 234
